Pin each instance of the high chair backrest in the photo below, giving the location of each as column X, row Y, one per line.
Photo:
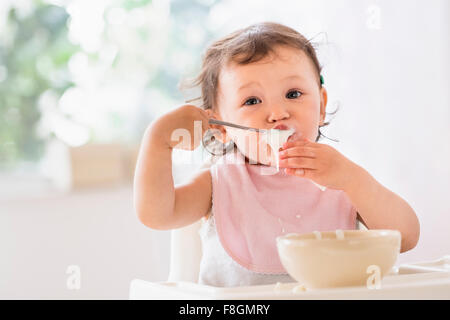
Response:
column 186, row 247
column 185, row 253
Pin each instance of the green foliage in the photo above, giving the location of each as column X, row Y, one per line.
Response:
column 35, row 51
column 34, row 60
column 132, row 4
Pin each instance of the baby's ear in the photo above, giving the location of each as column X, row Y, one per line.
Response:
column 323, row 104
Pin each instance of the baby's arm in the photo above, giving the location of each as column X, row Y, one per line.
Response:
column 380, row 208
column 158, row 203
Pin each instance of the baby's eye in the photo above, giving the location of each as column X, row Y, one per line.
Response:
column 294, row 94
column 252, row 101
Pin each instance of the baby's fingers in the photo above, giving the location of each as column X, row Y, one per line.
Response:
column 298, row 162
column 295, row 143
column 300, row 151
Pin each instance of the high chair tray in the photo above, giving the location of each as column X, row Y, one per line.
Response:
column 424, row 280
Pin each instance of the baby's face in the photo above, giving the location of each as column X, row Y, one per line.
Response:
column 280, row 89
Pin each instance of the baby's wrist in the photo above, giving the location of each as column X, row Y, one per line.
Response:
column 355, row 179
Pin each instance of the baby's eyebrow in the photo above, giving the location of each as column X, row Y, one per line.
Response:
column 294, row 76
column 249, row 84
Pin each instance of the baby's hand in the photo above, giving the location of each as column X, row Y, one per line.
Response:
column 319, row 162
column 182, row 128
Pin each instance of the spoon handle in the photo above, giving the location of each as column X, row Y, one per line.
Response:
column 228, row 124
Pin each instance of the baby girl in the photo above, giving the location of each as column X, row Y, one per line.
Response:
column 265, row 76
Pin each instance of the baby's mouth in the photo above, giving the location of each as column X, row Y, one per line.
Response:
column 295, row 136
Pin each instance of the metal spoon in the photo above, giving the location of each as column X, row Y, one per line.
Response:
column 228, row 124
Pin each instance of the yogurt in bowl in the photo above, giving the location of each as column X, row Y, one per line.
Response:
column 338, row 258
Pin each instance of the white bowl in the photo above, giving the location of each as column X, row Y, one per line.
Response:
column 339, row 258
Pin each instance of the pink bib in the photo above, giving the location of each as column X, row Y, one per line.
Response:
column 251, row 208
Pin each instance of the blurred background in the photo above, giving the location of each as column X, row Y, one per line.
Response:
column 81, row 80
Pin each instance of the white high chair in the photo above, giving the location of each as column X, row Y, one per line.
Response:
column 186, row 246
column 423, row 280
column 185, row 253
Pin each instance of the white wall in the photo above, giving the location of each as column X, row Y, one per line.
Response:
column 393, row 83
column 97, row 230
